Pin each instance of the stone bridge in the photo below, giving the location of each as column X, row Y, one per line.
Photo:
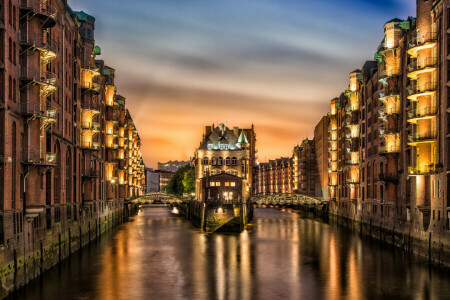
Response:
column 287, row 200
column 277, row 199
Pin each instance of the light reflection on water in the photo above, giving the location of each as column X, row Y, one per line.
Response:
column 281, row 256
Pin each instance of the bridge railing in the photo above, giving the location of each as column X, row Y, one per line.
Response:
column 287, row 199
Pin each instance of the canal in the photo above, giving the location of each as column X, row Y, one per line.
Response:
column 282, row 255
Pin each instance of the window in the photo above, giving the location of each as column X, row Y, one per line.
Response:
column 234, row 161
column 10, row 12
column 14, row 53
column 233, row 183
column 228, row 161
column 212, row 184
column 220, row 161
column 10, row 88
column 227, row 183
column 14, row 90
column 218, row 183
column 213, row 161
column 205, row 160
column 10, row 50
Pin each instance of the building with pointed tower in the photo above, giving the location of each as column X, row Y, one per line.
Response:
column 229, row 151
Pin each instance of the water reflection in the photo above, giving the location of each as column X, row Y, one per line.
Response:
column 281, row 256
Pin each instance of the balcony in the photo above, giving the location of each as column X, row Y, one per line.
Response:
column 387, row 93
column 46, row 80
column 427, row 137
column 416, row 91
column 87, row 145
column 421, row 42
column 36, row 110
column 91, row 86
column 42, row 9
column 35, row 158
column 421, row 170
column 352, row 163
column 383, row 150
column 428, row 112
column 47, row 47
column 94, row 126
column 352, row 181
column 386, row 112
column 429, row 64
column 387, row 73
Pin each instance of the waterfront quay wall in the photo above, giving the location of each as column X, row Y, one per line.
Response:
column 40, row 250
column 432, row 246
column 230, row 218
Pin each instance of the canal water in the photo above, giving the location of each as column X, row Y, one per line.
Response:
column 283, row 255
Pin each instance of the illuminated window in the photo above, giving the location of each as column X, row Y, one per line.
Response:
column 227, row 184
column 217, row 183
column 233, row 183
column 212, row 183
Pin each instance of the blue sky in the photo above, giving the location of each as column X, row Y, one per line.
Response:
column 277, row 63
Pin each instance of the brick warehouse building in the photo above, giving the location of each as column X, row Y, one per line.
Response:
column 69, row 150
column 389, row 136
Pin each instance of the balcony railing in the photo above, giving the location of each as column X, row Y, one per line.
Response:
column 417, row 41
column 33, row 74
column 415, row 91
column 420, row 65
column 422, row 137
column 90, row 145
column 389, row 149
column 41, row 8
column 352, row 180
column 38, row 111
column 36, row 158
column 92, row 86
column 424, row 112
column 384, row 112
column 422, row 170
column 48, row 47
column 389, row 72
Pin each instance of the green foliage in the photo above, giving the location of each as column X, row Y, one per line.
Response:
column 182, row 181
column 189, row 181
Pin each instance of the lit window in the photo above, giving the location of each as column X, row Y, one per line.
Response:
column 233, row 183
column 212, row 183
column 227, row 184
column 217, row 183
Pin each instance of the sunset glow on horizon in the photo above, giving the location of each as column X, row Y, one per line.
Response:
column 276, row 64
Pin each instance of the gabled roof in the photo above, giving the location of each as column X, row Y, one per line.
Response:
column 242, row 138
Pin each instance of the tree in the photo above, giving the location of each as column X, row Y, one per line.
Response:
column 182, row 181
column 189, row 181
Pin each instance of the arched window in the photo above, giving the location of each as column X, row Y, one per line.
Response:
column 220, row 163
column 10, row 12
column 14, row 17
column 205, row 160
column 234, row 161
column 10, row 50
column 228, row 161
column 14, row 53
column 14, row 90
column 213, row 161
column 10, row 88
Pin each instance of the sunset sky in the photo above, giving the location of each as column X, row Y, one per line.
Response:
column 183, row 64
